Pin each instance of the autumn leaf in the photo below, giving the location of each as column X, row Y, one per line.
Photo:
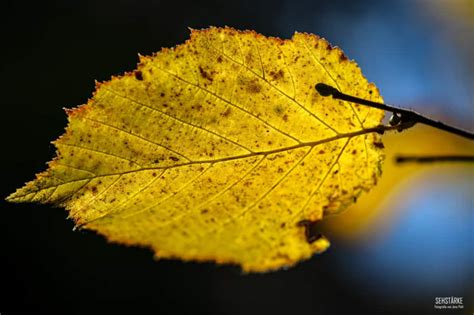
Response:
column 219, row 149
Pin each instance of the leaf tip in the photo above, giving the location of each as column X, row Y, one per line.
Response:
column 20, row 195
column 10, row 198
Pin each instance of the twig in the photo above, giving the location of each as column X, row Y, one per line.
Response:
column 408, row 117
column 432, row 159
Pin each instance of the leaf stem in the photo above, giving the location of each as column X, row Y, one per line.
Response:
column 407, row 116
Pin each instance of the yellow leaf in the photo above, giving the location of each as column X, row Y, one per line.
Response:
column 217, row 149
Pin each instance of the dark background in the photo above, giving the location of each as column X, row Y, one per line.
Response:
column 52, row 51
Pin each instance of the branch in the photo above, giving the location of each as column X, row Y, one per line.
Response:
column 434, row 158
column 406, row 116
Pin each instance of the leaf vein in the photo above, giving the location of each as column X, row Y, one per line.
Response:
column 276, row 88
column 179, row 120
column 216, row 195
column 174, row 194
column 332, row 78
column 130, row 198
column 316, row 190
column 266, row 193
column 137, row 136
column 305, row 144
column 98, row 151
column 88, row 202
column 230, row 103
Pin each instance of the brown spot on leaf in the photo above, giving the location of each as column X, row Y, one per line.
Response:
column 227, row 112
column 138, row 75
column 311, row 233
column 278, row 109
column 205, row 74
column 379, row 145
column 254, row 87
column 276, row 75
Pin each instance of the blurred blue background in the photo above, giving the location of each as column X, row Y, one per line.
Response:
column 418, row 53
column 405, row 47
column 427, row 251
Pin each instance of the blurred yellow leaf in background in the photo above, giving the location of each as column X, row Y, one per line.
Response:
column 373, row 213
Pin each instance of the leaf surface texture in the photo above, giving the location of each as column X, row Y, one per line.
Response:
column 217, row 148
